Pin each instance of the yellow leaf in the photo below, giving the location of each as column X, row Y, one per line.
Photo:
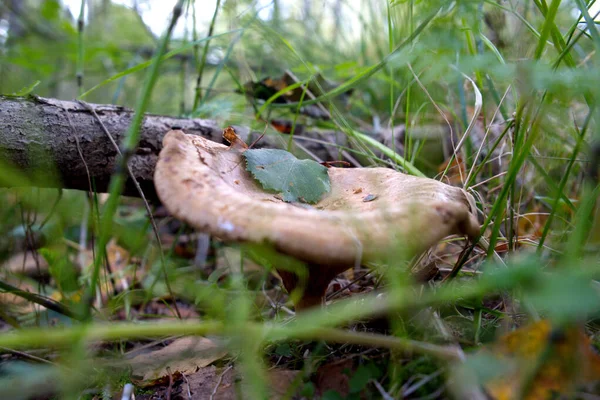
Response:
column 544, row 360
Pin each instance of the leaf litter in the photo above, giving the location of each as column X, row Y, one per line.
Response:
column 536, row 361
column 182, row 356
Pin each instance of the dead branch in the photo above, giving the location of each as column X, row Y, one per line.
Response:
column 65, row 139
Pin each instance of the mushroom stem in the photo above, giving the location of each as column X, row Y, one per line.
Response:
column 312, row 288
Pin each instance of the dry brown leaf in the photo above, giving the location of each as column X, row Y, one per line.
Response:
column 118, row 257
column 25, row 264
column 120, row 265
column 280, row 381
column 17, row 305
column 234, row 140
column 457, row 170
column 531, row 224
column 212, row 381
column 182, row 356
column 201, row 385
column 558, row 359
column 335, row 376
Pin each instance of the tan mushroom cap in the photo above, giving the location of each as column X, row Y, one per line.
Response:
column 206, row 185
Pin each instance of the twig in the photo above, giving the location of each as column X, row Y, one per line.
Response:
column 407, row 391
column 437, row 394
column 187, row 383
column 170, row 383
column 91, row 208
column 83, row 233
column 487, row 131
column 52, row 209
column 30, row 241
column 43, row 301
column 345, row 153
column 340, row 290
column 310, row 153
column 27, row 356
column 384, row 395
column 9, row 319
column 132, row 352
column 214, row 392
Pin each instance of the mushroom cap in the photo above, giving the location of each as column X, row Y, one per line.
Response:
column 206, row 184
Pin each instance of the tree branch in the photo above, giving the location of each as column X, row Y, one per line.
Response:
column 37, row 135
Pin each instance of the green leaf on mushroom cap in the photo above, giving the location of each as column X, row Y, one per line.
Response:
column 278, row 170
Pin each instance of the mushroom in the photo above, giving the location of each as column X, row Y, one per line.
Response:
column 369, row 214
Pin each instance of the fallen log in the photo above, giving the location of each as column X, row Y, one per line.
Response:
column 66, row 140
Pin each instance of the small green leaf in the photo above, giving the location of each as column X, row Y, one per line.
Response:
column 362, row 376
column 308, row 390
column 280, row 171
column 283, row 350
column 332, row 395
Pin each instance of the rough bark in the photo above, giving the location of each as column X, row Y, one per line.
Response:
column 39, row 134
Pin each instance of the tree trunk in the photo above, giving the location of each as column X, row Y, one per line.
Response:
column 38, row 134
